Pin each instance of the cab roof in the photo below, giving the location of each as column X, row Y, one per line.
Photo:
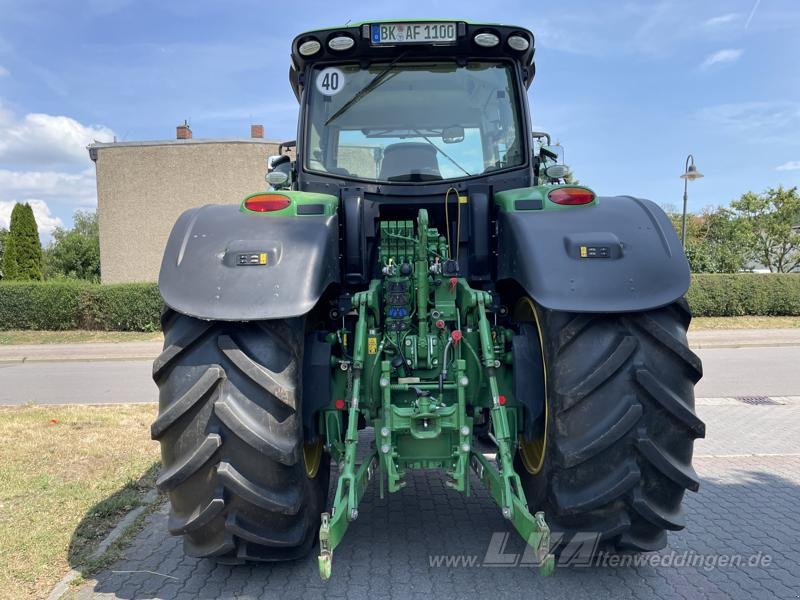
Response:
column 363, row 50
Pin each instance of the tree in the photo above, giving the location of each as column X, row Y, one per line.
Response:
column 22, row 256
column 719, row 243
column 3, row 236
column 716, row 240
column 570, row 179
column 772, row 222
column 75, row 253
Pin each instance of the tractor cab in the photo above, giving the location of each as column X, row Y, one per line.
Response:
column 393, row 105
column 398, row 116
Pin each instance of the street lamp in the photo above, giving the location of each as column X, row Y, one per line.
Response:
column 690, row 174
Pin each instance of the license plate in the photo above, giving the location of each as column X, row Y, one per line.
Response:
column 388, row 34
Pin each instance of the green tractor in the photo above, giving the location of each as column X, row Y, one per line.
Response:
column 422, row 288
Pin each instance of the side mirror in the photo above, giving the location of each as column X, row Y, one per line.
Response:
column 539, row 135
column 277, row 160
column 283, row 146
column 548, row 152
column 453, row 135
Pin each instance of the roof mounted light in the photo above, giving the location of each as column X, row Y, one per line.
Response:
column 486, row 40
column 309, row 47
column 341, row 42
column 519, row 43
column 557, row 171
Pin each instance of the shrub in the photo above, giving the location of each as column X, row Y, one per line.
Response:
column 123, row 307
column 51, row 305
column 732, row 295
column 68, row 304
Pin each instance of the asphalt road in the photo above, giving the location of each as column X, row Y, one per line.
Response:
column 98, row 382
column 749, row 371
column 728, row 372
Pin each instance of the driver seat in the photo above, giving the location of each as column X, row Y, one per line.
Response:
column 408, row 158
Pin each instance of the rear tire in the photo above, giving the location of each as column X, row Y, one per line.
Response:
column 620, row 426
column 231, row 437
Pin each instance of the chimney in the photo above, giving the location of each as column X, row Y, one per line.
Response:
column 257, row 131
column 184, row 131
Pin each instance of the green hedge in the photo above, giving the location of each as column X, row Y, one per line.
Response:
column 137, row 306
column 79, row 305
column 732, row 295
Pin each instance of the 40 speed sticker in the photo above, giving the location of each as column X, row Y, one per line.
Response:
column 330, row 81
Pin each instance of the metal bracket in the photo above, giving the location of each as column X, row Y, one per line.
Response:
column 352, row 481
column 533, row 528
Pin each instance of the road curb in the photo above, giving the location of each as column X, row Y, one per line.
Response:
column 764, row 344
column 27, row 359
column 63, row 586
column 142, row 357
column 79, row 351
column 107, row 352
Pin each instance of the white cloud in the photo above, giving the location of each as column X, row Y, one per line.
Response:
column 47, row 140
column 52, row 165
column 792, row 165
column 752, row 13
column 278, row 111
column 645, row 30
column 72, row 189
column 722, row 19
column 4, row 71
column 764, row 122
column 722, row 56
column 45, row 220
column 764, row 118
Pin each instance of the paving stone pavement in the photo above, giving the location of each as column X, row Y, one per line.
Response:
column 747, row 507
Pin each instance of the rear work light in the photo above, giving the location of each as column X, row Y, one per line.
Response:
column 267, row 202
column 342, row 42
column 309, row 47
column 571, row 196
column 487, row 40
column 519, row 43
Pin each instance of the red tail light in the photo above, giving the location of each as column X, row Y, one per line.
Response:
column 267, row 202
column 571, row 196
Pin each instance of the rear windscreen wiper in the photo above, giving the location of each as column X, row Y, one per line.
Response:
column 374, row 82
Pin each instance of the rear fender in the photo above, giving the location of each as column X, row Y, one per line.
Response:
column 226, row 264
column 619, row 254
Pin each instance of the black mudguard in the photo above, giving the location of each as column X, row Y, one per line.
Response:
column 621, row 255
column 212, row 267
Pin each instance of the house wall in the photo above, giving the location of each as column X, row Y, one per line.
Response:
column 142, row 188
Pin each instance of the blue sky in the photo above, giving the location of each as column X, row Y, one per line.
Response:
column 629, row 88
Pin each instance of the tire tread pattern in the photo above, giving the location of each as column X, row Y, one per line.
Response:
column 621, row 425
column 231, row 439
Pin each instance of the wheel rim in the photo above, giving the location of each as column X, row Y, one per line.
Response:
column 532, row 452
column 312, row 457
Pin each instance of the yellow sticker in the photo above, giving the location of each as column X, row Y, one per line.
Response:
column 262, row 258
column 462, row 200
column 583, row 252
column 372, row 345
